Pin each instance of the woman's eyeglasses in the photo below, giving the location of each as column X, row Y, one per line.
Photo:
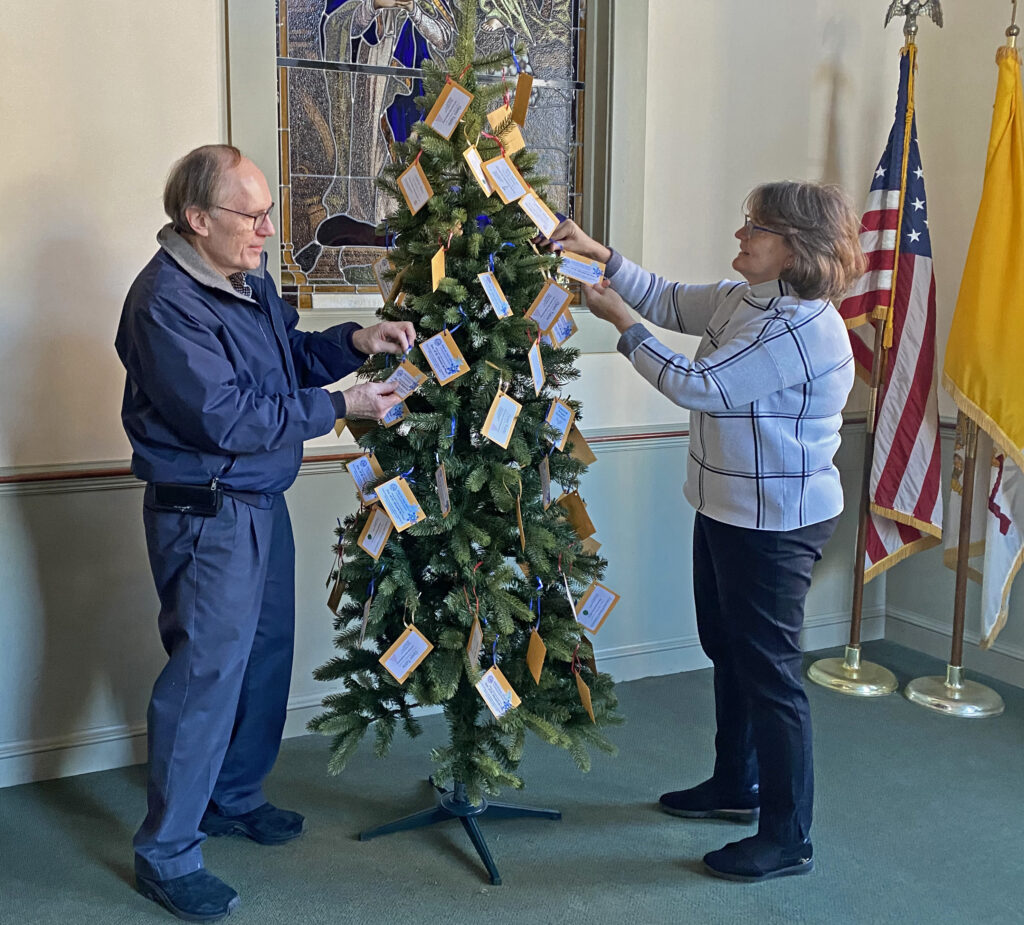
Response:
column 749, row 227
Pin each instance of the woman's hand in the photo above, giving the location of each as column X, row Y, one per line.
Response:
column 607, row 304
column 570, row 237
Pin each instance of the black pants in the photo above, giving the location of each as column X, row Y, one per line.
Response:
column 749, row 587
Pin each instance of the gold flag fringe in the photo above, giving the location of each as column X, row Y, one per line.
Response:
column 1007, row 51
column 1002, row 442
column 882, row 565
column 908, row 519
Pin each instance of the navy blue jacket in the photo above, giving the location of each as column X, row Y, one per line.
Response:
column 220, row 385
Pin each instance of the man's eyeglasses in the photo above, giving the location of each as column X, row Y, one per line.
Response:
column 749, row 227
column 257, row 220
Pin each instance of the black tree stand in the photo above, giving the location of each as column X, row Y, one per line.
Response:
column 454, row 805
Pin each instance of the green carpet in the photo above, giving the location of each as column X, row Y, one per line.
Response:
column 918, row 819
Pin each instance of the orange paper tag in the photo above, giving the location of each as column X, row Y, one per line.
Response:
column 476, row 639
column 437, row 268
column 538, row 212
column 562, row 328
column 441, row 481
column 494, row 295
column 405, row 655
column 579, row 448
column 545, row 481
column 576, row 514
column 497, row 692
column 505, row 128
column 501, row 419
column 400, row 503
column 476, row 167
column 375, row 532
column 584, row 690
column 444, row 357
column 560, row 417
column 505, row 178
column 450, row 106
column 337, row 592
column 381, row 268
column 365, row 469
column 535, row 653
column 415, row 187
column 593, row 608
column 544, row 309
column 521, row 103
column 406, row 379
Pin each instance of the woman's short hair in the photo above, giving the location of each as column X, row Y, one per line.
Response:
column 821, row 228
column 194, row 181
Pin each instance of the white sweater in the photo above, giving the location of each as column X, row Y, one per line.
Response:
column 767, row 388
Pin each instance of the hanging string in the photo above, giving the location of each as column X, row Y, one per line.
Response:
column 494, row 650
column 515, row 60
column 490, row 256
column 462, row 73
column 407, row 475
column 459, row 325
column 540, row 588
column 506, row 96
column 494, row 138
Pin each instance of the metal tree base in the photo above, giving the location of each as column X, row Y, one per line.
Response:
column 454, row 805
column 849, row 675
column 954, row 696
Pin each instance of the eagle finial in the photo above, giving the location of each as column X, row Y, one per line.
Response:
column 911, row 9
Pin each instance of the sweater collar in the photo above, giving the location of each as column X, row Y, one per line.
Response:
column 771, row 289
column 192, row 262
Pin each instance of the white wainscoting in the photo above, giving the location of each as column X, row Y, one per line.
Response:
column 78, row 609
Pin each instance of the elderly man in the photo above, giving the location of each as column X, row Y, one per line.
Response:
column 221, row 391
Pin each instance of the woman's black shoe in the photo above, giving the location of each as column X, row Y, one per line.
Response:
column 707, row 801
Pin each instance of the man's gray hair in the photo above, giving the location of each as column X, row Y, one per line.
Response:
column 822, row 230
column 194, row 181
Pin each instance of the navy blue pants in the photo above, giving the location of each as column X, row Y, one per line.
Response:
column 749, row 588
column 227, row 619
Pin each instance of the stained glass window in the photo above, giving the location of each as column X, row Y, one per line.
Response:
column 348, row 74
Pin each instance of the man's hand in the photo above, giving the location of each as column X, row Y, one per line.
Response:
column 607, row 304
column 570, row 237
column 386, row 337
column 371, row 400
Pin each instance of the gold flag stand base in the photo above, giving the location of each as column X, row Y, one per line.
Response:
column 849, row 675
column 954, row 696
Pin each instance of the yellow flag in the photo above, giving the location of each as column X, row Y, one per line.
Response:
column 984, row 359
column 985, row 354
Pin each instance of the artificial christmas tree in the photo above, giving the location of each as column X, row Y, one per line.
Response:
column 459, row 571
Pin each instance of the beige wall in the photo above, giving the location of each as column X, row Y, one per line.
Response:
column 710, row 97
column 96, row 100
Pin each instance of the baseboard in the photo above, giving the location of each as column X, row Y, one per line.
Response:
column 933, row 637
column 119, row 746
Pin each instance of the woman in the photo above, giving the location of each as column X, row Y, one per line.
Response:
column 767, row 388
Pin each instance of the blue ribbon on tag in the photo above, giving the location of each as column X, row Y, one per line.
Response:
column 494, row 650
column 512, row 48
column 455, row 369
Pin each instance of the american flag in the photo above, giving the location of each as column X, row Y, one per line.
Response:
column 898, row 291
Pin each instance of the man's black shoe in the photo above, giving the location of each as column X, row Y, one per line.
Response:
column 196, row 897
column 707, row 801
column 755, row 859
column 266, row 824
